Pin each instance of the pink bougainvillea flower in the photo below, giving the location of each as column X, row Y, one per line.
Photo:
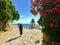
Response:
column 58, row 10
column 41, row 1
column 58, row 0
column 34, row 0
column 51, row 25
column 42, row 14
column 49, row 11
column 47, row 1
column 34, row 4
column 57, row 5
column 55, row 2
column 55, row 8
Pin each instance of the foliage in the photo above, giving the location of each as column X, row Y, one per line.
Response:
column 8, row 11
column 50, row 17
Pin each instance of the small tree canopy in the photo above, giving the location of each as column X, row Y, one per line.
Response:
column 8, row 11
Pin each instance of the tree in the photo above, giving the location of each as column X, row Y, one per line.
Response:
column 8, row 11
column 50, row 17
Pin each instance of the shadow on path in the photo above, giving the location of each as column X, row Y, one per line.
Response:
column 12, row 39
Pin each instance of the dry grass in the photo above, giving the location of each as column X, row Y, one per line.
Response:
column 8, row 28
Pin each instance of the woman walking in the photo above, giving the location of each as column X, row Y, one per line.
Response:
column 20, row 29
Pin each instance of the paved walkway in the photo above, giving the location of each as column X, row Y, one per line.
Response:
column 29, row 37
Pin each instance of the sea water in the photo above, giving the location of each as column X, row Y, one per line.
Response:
column 29, row 25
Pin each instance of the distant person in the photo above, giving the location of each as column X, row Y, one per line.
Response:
column 20, row 29
column 32, row 24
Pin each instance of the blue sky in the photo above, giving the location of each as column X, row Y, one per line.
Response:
column 23, row 7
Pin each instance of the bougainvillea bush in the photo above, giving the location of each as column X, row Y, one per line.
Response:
column 50, row 17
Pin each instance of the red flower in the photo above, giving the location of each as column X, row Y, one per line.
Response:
column 55, row 2
column 41, row 1
column 42, row 14
column 55, row 8
column 58, row 0
column 58, row 10
column 51, row 25
column 47, row 0
column 49, row 11
column 34, row 4
column 57, row 5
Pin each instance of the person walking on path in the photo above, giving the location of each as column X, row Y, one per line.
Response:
column 20, row 29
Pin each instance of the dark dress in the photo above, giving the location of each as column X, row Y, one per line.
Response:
column 20, row 29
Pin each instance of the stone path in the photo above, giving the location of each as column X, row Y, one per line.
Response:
column 29, row 37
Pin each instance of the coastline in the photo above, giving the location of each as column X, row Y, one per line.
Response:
column 28, row 26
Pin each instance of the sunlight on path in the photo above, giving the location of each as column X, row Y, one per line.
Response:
column 29, row 37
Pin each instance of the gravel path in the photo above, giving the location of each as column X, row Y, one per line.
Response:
column 29, row 37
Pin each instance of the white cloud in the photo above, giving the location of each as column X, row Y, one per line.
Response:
column 21, row 16
column 27, row 20
column 24, row 21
